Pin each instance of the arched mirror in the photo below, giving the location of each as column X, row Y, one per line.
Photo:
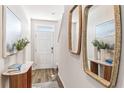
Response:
column 102, row 43
column 75, row 29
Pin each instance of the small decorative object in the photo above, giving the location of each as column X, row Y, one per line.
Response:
column 111, row 47
column 110, row 53
column 109, row 61
column 14, row 67
column 10, row 48
column 21, row 44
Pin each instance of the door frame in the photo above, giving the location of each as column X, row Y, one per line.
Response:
column 36, row 21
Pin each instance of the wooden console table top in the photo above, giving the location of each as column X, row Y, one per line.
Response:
column 24, row 68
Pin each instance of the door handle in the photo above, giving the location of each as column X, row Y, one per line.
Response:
column 52, row 49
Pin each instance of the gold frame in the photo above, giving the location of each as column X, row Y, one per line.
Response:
column 115, row 68
column 70, row 30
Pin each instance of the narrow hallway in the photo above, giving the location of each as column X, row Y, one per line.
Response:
column 61, row 46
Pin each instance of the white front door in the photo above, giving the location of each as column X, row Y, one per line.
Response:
column 44, row 47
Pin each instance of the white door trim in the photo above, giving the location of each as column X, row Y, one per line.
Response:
column 34, row 22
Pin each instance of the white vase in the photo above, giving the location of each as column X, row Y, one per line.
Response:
column 103, row 54
column 20, row 57
column 99, row 55
column 95, row 53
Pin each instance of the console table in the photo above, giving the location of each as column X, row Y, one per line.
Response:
column 22, row 78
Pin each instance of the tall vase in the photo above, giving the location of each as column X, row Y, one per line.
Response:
column 95, row 53
column 99, row 55
column 103, row 54
column 20, row 58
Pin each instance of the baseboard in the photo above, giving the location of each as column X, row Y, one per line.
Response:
column 60, row 82
column 0, row 82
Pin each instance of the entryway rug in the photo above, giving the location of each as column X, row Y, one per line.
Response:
column 50, row 84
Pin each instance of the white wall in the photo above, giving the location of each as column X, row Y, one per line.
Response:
column 70, row 66
column 1, row 61
column 0, row 32
column 19, row 57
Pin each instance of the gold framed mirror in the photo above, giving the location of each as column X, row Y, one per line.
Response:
column 75, row 29
column 101, row 45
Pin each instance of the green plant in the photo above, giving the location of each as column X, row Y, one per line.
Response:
column 103, row 45
column 20, row 44
column 100, row 45
column 96, row 44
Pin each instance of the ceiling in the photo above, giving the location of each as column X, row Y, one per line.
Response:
column 44, row 12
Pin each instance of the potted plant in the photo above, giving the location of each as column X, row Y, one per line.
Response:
column 20, row 45
column 103, row 49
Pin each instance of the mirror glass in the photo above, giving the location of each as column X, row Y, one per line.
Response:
column 12, row 31
column 101, row 40
column 75, row 29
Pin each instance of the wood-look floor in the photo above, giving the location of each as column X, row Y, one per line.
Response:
column 42, row 75
column 45, row 75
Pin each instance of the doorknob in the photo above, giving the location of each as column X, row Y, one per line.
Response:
column 52, row 49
